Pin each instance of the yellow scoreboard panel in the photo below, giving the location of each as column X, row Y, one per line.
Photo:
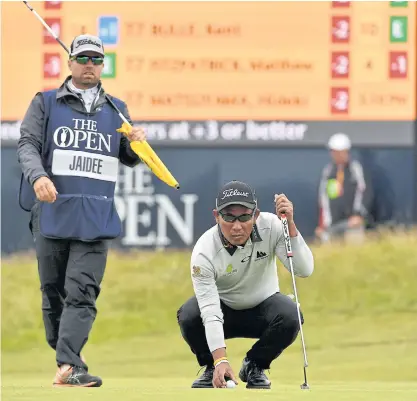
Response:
column 225, row 61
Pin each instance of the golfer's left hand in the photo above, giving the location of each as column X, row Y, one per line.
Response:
column 137, row 134
column 283, row 205
column 221, row 372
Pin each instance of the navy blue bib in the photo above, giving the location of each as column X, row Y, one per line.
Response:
column 80, row 155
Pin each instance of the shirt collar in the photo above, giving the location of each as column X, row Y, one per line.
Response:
column 73, row 88
column 231, row 249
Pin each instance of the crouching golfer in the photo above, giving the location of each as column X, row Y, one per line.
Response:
column 69, row 153
column 234, row 275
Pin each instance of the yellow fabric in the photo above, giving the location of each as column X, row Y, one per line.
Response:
column 149, row 157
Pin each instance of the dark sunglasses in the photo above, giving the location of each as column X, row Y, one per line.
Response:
column 230, row 218
column 96, row 60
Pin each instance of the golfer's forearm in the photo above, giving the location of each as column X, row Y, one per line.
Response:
column 219, row 353
column 212, row 317
column 205, row 288
column 214, row 335
column 303, row 261
column 292, row 229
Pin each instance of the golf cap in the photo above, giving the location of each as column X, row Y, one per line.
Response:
column 236, row 193
column 339, row 141
column 86, row 43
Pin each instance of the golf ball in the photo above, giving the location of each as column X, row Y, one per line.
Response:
column 230, row 384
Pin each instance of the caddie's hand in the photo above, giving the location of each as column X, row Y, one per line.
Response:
column 222, row 372
column 283, row 205
column 137, row 134
column 45, row 190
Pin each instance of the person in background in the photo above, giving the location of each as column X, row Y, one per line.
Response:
column 345, row 194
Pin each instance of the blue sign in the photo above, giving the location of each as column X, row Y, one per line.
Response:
column 155, row 215
column 108, row 30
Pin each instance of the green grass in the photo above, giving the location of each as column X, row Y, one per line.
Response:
column 173, row 389
column 360, row 308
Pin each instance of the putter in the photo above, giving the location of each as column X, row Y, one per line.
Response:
column 288, row 248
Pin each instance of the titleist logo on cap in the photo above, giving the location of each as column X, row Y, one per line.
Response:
column 234, row 192
column 82, row 42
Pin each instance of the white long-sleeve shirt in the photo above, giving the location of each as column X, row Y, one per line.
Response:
column 242, row 277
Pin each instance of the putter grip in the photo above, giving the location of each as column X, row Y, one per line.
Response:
column 287, row 238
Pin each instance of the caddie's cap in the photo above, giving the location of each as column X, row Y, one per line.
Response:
column 86, row 43
column 236, row 193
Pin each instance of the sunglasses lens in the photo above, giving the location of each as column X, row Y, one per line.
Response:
column 82, row 59
column 97, row 60
column 229, row 218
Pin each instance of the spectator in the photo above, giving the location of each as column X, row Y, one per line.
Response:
column 345, row 194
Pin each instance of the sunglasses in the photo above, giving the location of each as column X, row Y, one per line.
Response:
column 96, row 60
column 230, row 218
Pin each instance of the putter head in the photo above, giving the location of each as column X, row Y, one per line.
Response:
column 305, row 386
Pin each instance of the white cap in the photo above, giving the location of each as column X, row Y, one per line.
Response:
column 86, row 43
column 339, row 141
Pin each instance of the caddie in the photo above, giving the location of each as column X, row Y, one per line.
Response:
column 69, row 152
column 234, row 276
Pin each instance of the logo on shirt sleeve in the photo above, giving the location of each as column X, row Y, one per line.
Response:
column 196, row 271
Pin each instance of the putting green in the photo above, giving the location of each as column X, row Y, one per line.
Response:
column 360, row 330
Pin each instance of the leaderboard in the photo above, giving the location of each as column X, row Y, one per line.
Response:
column 233, row 61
